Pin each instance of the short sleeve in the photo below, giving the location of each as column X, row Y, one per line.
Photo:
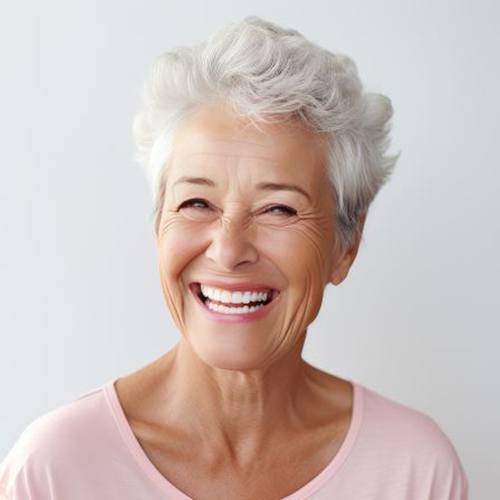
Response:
column 17, row 486
column 450, row 480
column 23, row 472
column 459, row 483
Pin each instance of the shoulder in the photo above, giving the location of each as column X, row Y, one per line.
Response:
column 58, row 430
column 57, row 438
column 404, row 425
column 408, row 440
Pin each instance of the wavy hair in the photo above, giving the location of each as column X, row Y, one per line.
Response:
column 268, row 73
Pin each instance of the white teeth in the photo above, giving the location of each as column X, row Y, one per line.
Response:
column 231, row 310
column 233, row 297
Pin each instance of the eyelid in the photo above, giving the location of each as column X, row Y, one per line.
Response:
column 291, row 211
column 287, row 209
column 190, row 200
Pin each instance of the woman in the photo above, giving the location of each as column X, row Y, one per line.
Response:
column 264, row 155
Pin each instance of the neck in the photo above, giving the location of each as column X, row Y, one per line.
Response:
column 232, row 411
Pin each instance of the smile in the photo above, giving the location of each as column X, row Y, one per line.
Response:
column 235, row 304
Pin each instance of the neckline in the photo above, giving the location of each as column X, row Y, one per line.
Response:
column 167, row 487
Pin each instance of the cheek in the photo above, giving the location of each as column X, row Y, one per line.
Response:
column 180, row 242
column 300, row 250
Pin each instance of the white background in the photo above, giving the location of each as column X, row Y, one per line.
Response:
column 417, row 318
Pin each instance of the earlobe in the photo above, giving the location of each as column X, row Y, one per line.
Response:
column 340, row 272
column 346, row 260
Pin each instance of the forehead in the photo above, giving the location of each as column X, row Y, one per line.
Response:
column 214, row 133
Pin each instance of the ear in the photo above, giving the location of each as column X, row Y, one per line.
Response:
column 345, row 261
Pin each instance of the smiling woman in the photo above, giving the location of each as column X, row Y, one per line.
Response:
column 264, row 155
column 259, row 192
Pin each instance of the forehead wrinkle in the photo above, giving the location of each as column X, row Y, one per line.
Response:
column 205, row 156
column 196, row 139
column 263, row 185
column 265, row 158
column 235, row 141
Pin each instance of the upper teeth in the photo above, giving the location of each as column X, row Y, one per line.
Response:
column 241, row 297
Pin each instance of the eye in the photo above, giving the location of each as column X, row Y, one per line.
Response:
column 194, row 203
column 281, row 210
column 200, row 205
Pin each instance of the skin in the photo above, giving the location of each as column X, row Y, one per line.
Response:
column 231, row 400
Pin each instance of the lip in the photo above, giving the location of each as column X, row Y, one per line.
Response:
column 233, row 318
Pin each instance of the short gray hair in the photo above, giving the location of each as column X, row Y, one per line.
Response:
column 268, row 73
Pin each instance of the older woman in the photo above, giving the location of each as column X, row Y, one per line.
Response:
column 264, row 155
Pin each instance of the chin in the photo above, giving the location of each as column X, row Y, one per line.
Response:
column 228, row 355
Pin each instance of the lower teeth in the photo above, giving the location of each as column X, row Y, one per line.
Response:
column 231, row 310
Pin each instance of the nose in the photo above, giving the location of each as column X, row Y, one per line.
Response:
column 231, row 244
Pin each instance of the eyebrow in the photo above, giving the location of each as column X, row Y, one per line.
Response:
column 265, row 186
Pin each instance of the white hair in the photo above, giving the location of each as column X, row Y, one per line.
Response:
column 268, row 73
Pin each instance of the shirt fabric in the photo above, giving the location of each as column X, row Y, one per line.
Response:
column 86, row 450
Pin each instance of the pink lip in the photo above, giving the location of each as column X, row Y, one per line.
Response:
column 233, row 318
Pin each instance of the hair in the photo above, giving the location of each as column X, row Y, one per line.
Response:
column 267, row 73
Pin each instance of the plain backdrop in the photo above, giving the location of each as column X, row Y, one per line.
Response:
column 416, row 319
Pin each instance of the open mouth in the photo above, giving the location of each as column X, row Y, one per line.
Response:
column 238, row 302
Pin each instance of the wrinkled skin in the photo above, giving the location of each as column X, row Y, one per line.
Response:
column 232, row 402
column 236, row 235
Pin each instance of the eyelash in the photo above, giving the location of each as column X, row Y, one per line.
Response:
column 288, row 210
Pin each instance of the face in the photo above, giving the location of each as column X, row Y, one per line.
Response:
column 247, row 216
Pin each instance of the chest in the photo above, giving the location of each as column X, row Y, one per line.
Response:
column 276, row 476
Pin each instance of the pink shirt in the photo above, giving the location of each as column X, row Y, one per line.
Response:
column 86, row 450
